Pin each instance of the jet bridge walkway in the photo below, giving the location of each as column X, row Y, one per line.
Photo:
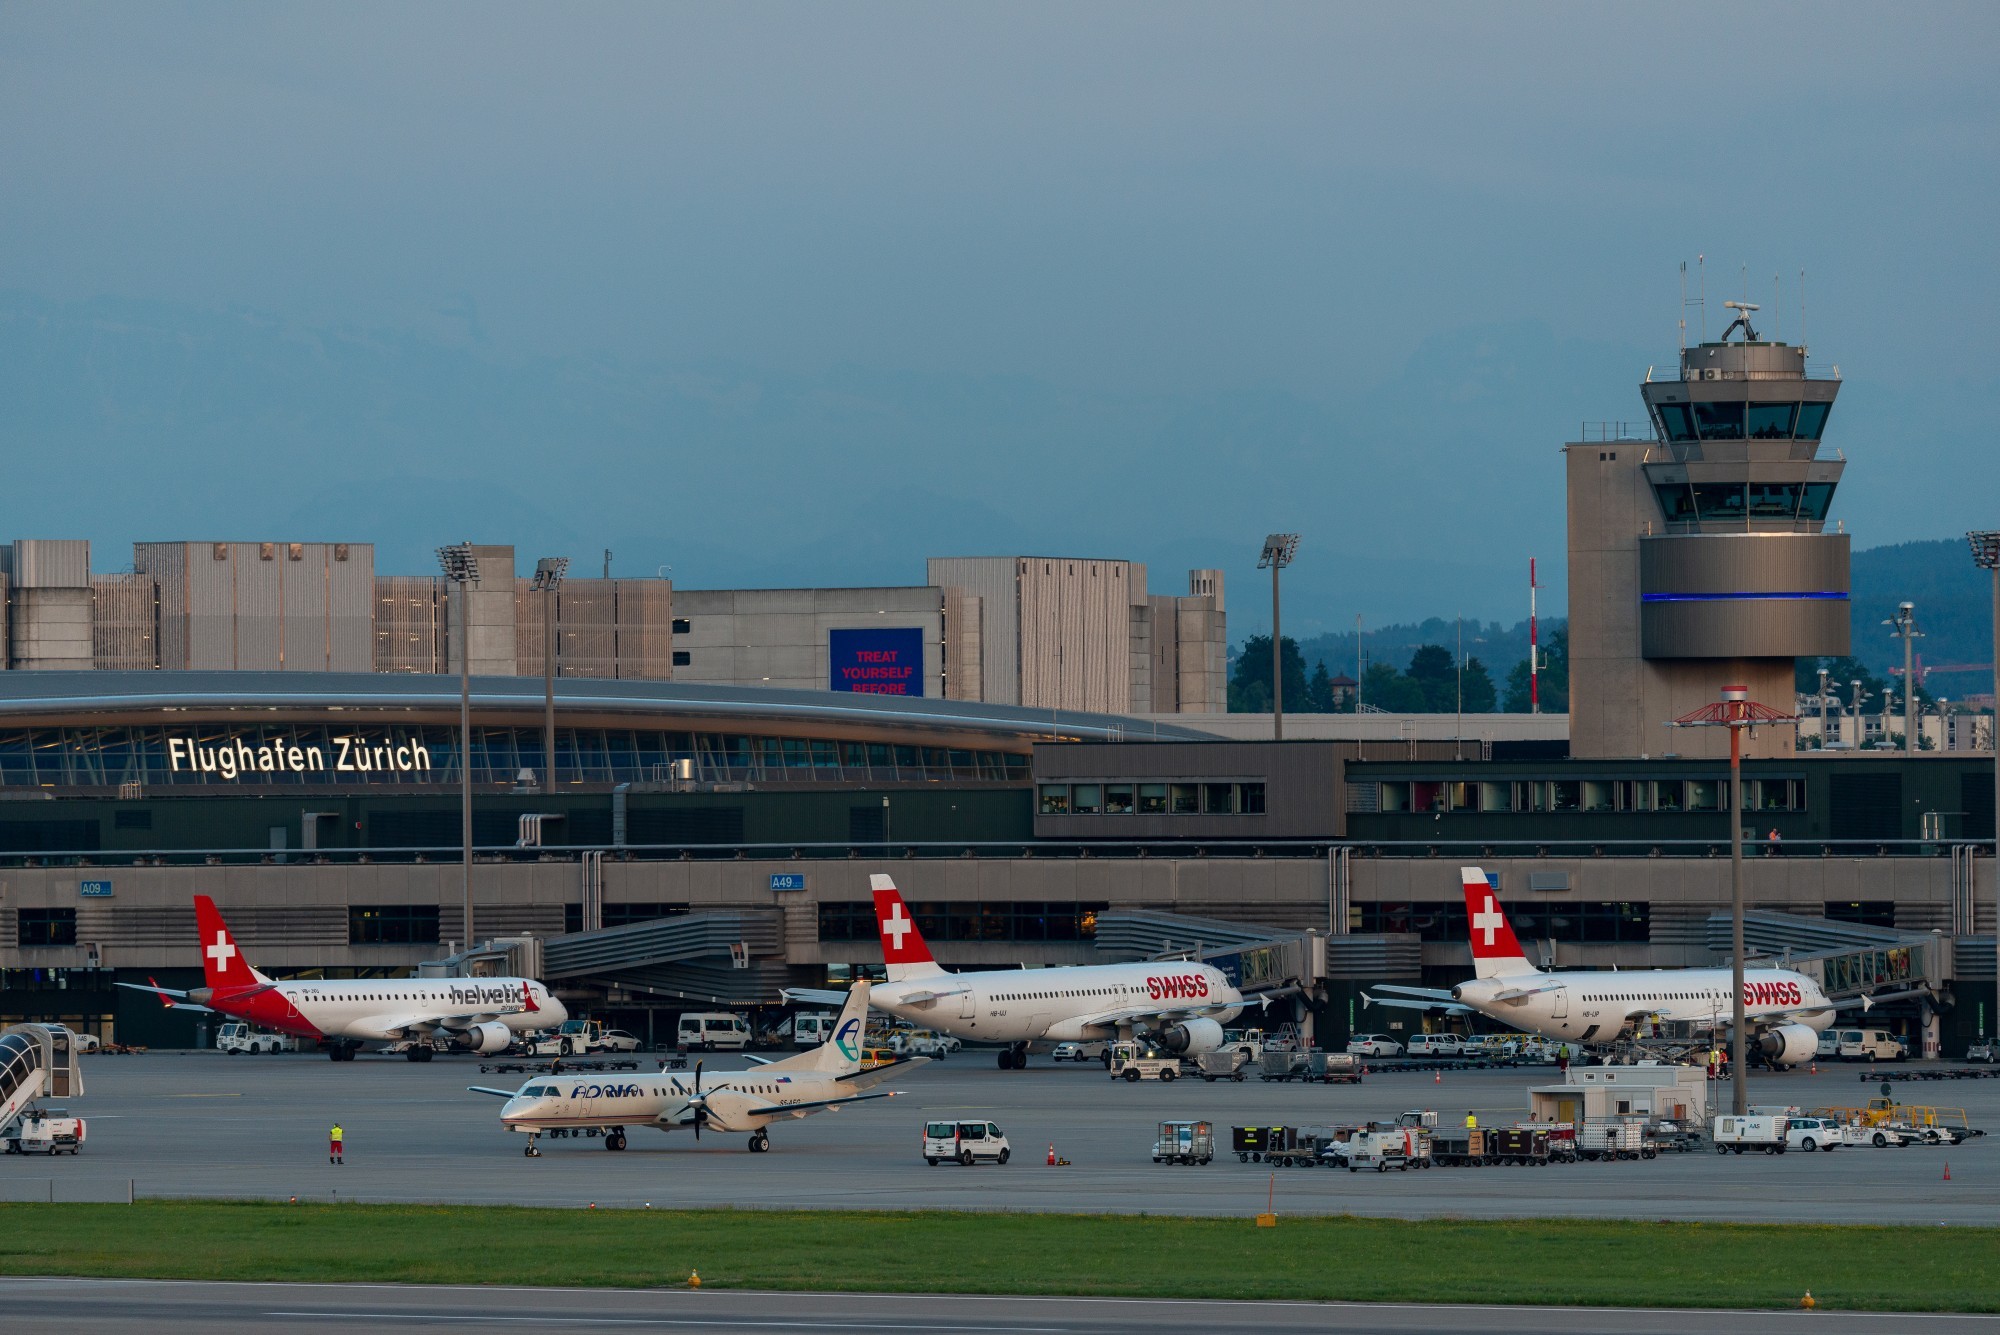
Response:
column 726, row 958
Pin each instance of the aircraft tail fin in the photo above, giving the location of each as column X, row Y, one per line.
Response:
column 1495, row 951
column 903, row 948
column 840, row 1054
column 222, row 964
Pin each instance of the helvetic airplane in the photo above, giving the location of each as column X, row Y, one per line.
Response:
column 1183, row 1005
column 826, row 1078
column 478, row 1014
column 1785, row 1010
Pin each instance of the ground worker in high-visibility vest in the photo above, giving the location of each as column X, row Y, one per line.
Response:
column 333, row 1151
column 1471, row 1122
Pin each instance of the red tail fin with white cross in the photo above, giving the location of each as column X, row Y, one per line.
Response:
column 1495, row 952
column 222, row 964
column 903, row 948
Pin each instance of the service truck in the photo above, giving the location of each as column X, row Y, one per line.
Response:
column 236, row 1037
column 1762, row 1131
column 49, row 1131
column 1131, row 1062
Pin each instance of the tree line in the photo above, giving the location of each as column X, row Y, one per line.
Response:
column 1431, row 684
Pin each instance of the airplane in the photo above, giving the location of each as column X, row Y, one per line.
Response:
column 1786, row 1010
column 480, row 1015
column 1183, row 1005
column 824, row 1079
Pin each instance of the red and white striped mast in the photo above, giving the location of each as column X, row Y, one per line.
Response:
column 1534, row 650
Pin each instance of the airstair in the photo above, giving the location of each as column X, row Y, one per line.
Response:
column 36, row 1061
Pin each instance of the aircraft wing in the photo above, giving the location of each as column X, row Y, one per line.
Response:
column 816, row 995
column 819, row 1105
column 1428, row 1004
column 1140, row 1014
column 390, row 1026
column 1433, row 993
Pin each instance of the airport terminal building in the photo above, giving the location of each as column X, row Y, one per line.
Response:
column 1020, row 741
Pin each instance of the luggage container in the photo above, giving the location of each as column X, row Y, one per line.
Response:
column 1765, row 1132
column 1186, row 1143
column 1616, row 1138
column 1284, row 1064
column 1226, row 1064
column 1335, row 1068
column 1251, row 1143
column 1460, row 1146
column 1518, row 1145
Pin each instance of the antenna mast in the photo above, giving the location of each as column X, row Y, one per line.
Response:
column 1534, row 638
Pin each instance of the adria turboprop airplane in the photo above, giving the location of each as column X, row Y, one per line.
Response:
column 1183, row 1005
column 822, row 1080
column 1785, row 1010
column 478, row 1014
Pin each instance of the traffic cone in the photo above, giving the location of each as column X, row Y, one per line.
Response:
column 1807, row 1301
column 1947, row 1170
column 1437, row 1077
column 1052, row 1154
column 694, row 1279
column 1814, row 1068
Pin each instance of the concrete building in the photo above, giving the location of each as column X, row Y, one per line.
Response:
column 886, row 641
column 261, row 606
column 1699, row 556
column 49, row 605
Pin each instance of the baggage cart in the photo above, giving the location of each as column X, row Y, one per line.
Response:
column 1616, row 1138
column 1284, row 1064
column 1460, row 1146
column 1251, row 1143
column 1186, row 1143
column 1225, row 1064
column 1518, row 1145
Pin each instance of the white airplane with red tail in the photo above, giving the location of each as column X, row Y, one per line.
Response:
column 477, row 1014
column 1183, row 1005
column 1785, row 1010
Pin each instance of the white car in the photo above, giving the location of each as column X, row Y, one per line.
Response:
column 1373, row 1045
column 1078, row 1052
column 1988, row 1052
column 1814, row 1133
column 1436, row 1045
column 617, row 1040
column 965, row 1143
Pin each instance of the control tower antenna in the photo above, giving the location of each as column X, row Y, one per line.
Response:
column 1742, row 309
column 1778, row 307
column 1684, row 305
column 1701, row 291
column 1802, row 311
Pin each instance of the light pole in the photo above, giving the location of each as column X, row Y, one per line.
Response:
column 1986, row 555
column 1736, row 711
column 1903, row 626
column 461, row 567
column 1824, row 740
column 549, row 573
column 1279, row 548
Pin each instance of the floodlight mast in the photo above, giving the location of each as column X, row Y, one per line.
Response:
column 549, row 573
column 1279, row 548
column 1903, row 626
column 1737, row 712
column 1986, row 555
column 461, row 567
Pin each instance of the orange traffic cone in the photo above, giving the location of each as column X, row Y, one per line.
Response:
column 1947, row 1170
column 1437, row 1077
column 1814, row 1068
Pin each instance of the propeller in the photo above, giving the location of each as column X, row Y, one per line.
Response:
column 699, row 1107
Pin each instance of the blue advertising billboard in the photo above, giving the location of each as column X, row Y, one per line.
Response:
column 884, row 661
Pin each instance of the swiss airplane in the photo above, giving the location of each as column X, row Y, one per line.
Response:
column 478, row 1014
column 1183, row 1005
column 1785, row 1010
column 827, row 1078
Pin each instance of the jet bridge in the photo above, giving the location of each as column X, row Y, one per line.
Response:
column 1847, row 959
column 726, row 958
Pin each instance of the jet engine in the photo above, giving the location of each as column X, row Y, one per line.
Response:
column 485, row 1038
column 1789, row 1044
column 1191, row 1036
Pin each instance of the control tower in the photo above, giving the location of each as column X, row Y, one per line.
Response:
column 1699, row 557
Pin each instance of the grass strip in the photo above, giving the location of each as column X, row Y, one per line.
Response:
column 1346, row 1258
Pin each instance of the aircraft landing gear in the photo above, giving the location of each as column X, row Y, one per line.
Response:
column 533, row 1151
column 1014, row 1058
column 759, row 1143
column 421, row 1053
column 341, row 1052
column 614, row 1139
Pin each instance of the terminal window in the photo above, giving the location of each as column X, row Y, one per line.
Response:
column 47, row 927
column 1152, row 799
column 392, row 924
column 992, row 921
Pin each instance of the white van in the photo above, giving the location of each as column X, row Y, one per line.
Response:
column 713, row 1031
column 965, row 1143
column 812, row 1028
column 1857, row 1045
column 1436, row 1045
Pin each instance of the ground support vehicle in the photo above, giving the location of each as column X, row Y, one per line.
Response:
column 1186, row 1143
column 1385, row 1147
column 965, row 1143
column 1279, row 1146
column 1226, row 1064
column 1617, row 1138
column 1934, row 1073
column 1460, row 1146
column 1334, row 1068
column 49, row 1131
column 1764, row 1131
column 236, row 1037
column 1561, row 1137
column 1131, row 1063
column 1285, row 1064
column 1520, row 1146
column 918, row 1043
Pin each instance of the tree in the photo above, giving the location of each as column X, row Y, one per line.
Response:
column 1480, row 697
column 1320, row 690
column 1250, row 682
column 1382, row 687
column 1554, row 682
column 1435, row 677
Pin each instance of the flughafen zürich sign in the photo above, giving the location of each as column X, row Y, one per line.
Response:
column 231, row 758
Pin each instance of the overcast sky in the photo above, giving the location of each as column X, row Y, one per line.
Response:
column 798, row 294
